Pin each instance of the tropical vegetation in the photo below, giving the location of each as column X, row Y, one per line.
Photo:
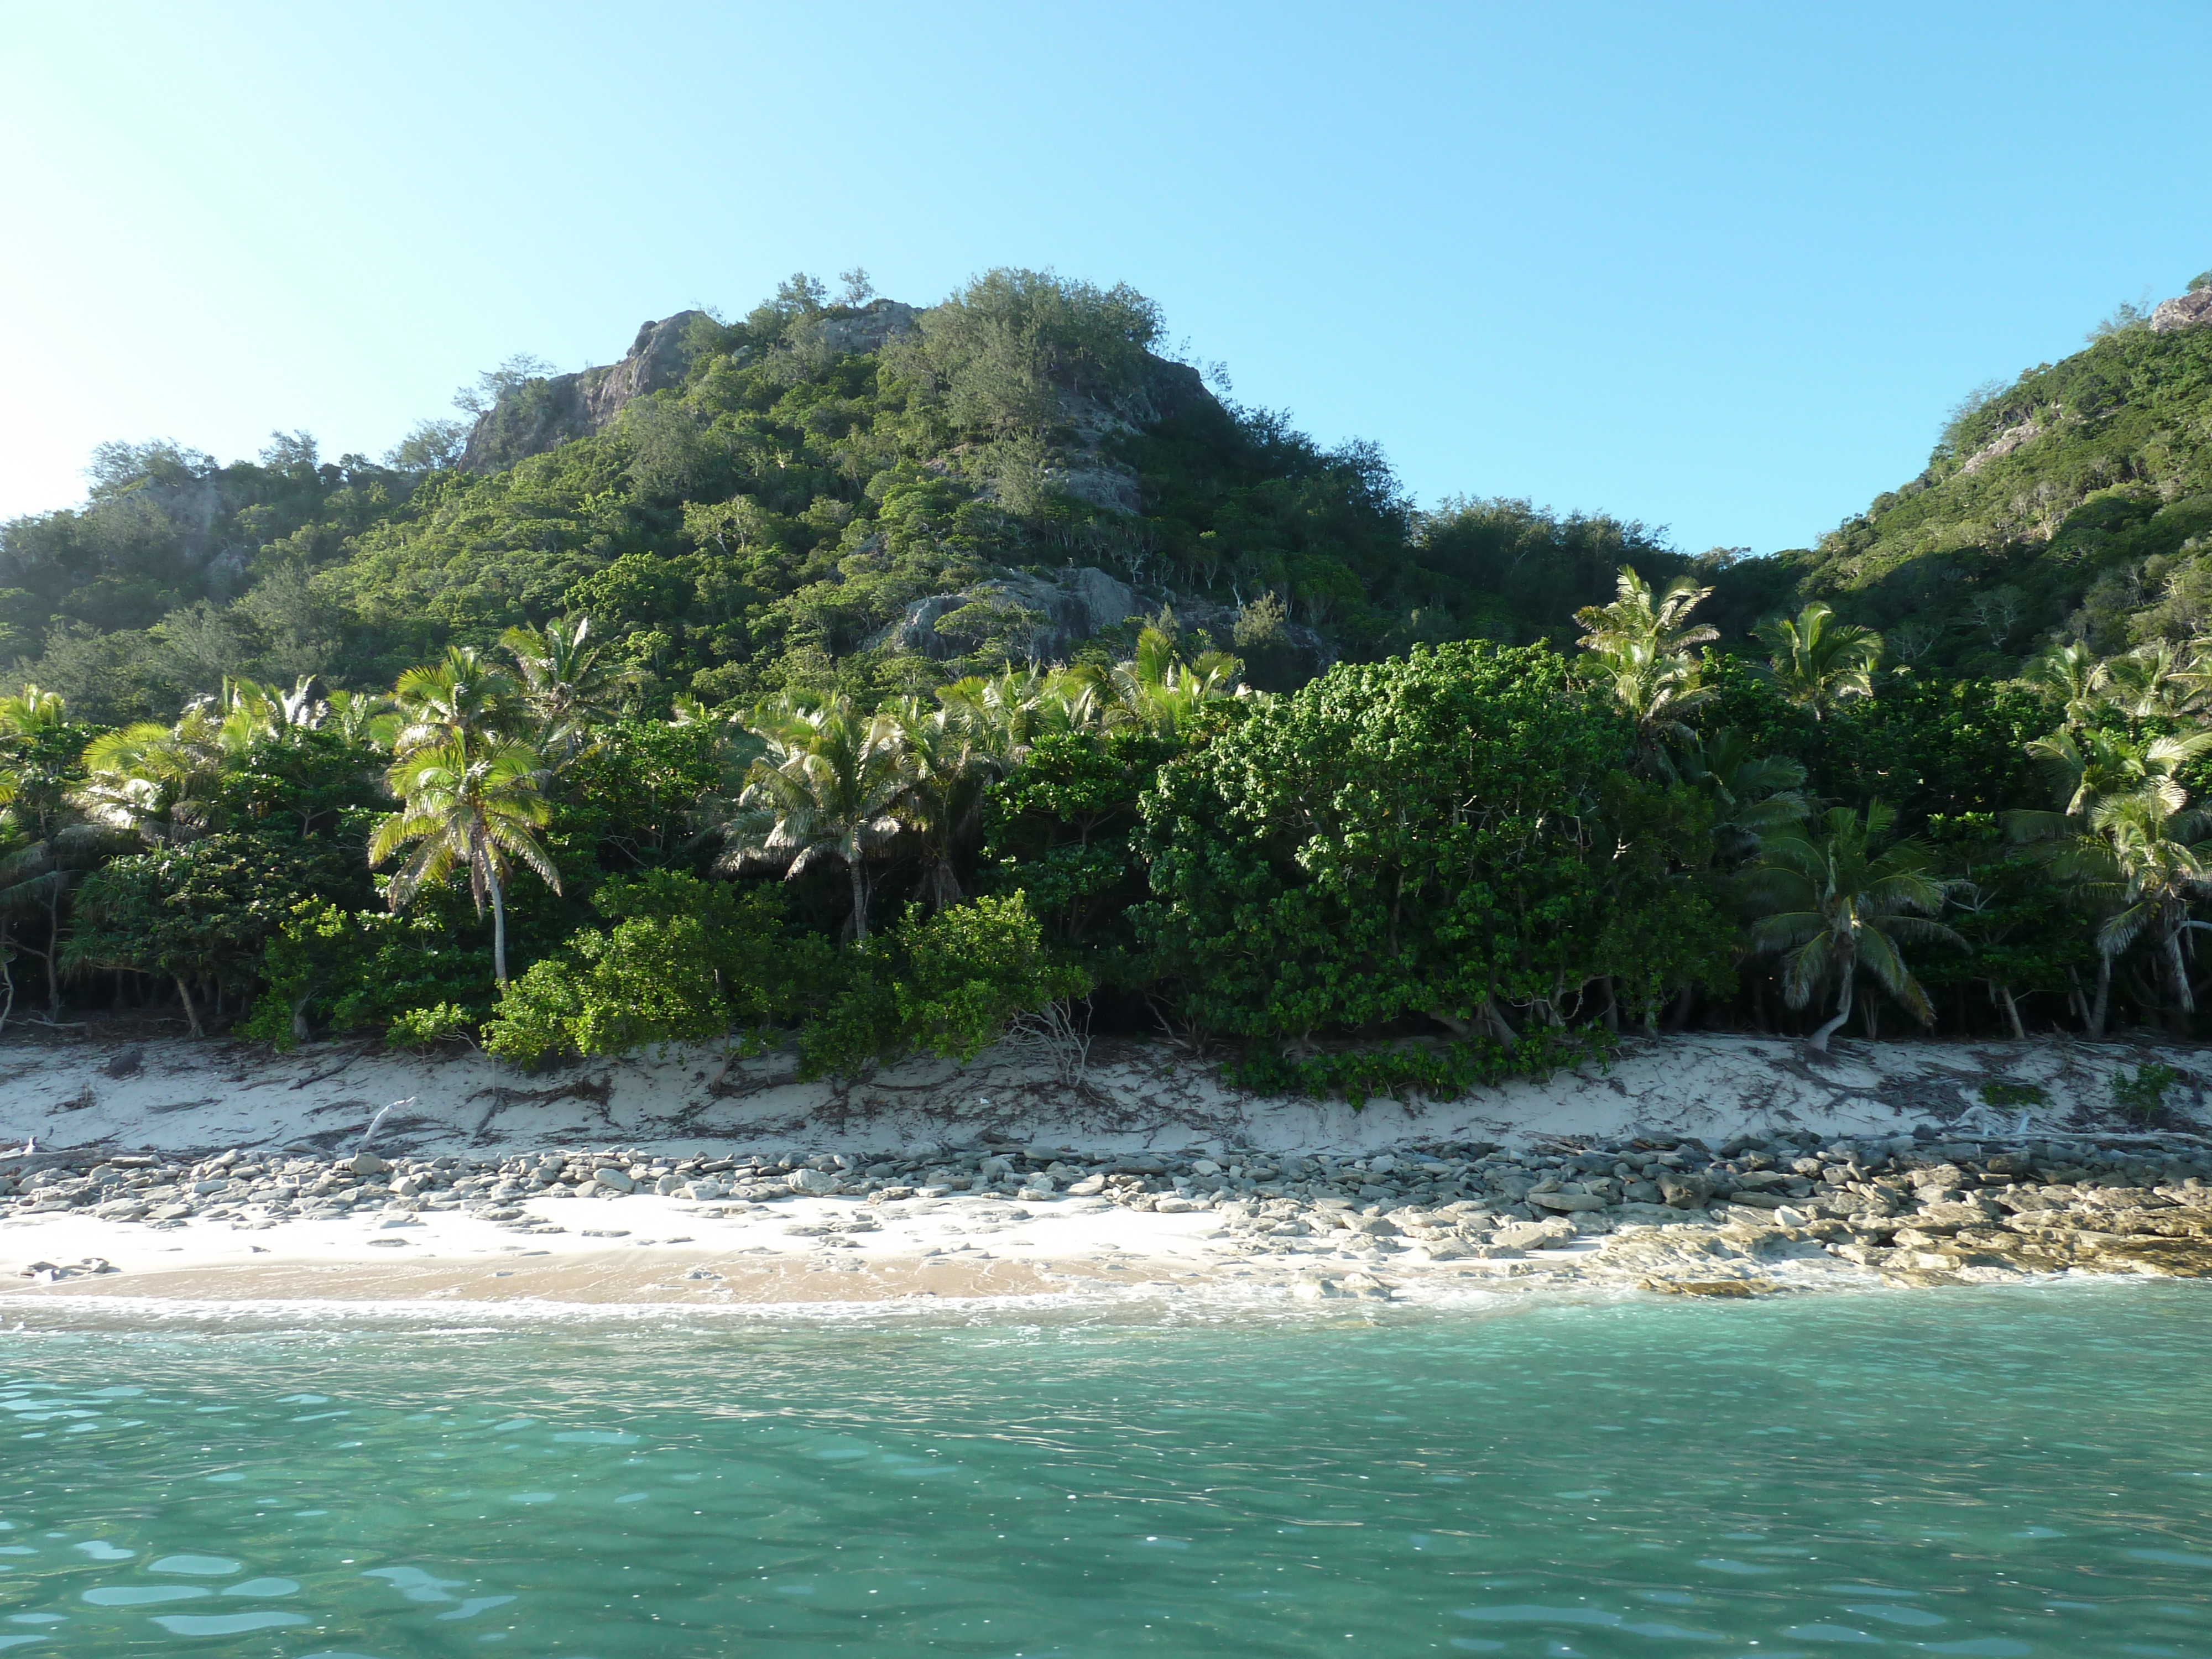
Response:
column 887, row 682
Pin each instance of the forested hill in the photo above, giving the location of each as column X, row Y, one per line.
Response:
column 858, row 494
column 2076, row 501
column 852, row 494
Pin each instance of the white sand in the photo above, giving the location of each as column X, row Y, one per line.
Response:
column 201, row 1098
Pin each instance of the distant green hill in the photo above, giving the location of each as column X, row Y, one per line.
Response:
column 2077, row 501
column 862, row 494
column 858, row 494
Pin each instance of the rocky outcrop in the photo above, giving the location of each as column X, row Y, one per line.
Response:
column 544, row 414
column 867, row 329
column 2190, row 310
column 2003, row 445
column 1068, row 608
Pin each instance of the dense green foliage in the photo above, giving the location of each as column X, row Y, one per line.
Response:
column 2078, row 499
column 758, row 709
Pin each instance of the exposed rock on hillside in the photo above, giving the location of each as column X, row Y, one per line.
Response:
column 2183, row 311
column 546, row 414
column 1048, row 617
column 2004, row 444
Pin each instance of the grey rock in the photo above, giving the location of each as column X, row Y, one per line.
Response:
column 2183, row 311
column 1068, row 607
column 1686, row 1191
column 1569, row 1201
column 614, row 1179
column 815, row 1182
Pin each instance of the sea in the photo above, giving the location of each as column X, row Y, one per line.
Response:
column 1994, row 1472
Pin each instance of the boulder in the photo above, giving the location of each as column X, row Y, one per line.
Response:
column 2190, row 310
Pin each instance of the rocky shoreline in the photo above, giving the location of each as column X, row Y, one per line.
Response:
column 1658, row 1212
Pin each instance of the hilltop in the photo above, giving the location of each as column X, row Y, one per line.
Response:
column 2076, row 501
column 856, row 493
column 864, row 494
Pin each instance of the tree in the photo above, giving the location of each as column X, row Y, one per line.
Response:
column 2158, row 858
column 685, row 962
column 45, row 845
column 157, row 782
column 1156, row 691
column 463, row 699
column 1838, row 900
column 2067, row 675
column 1645, row 652
column 1422, row 837
column 947, row 764
column 1753, row 795
column 470, row 803
column 568, row 688
column 949, row 986
column 1819, row 661
column 828, row 788
column 196, row 915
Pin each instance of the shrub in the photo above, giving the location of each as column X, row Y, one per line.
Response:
column 686, row 961
column 1439, row 836
column 2142, row 1098
column 443, row 1022
column 949, row 986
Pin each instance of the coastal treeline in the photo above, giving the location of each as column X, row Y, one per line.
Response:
column 1457, row 865
column 757, row 710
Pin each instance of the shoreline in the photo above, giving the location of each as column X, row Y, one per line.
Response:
column 577, row 1229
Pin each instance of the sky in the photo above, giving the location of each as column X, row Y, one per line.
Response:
column 1719, row 268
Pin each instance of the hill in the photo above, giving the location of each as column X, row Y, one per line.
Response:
column 857, row 494
column 2076, row 502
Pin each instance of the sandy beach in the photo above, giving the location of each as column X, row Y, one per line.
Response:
column 212, row 1174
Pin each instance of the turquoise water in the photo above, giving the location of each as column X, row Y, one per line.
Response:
column 2016, row 1473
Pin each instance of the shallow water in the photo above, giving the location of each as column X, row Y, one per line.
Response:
column 2009, row 1473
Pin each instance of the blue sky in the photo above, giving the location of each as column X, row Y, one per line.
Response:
column 1719, row 268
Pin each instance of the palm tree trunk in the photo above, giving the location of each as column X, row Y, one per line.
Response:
column 2184, row 1000
column 2012, row 1013
column 54, row 952
column 192, row 1013
column 1818, row 1043
column 2103, row 1005
column 859, row 874
column 498, row 924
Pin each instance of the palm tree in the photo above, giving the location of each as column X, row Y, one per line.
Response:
column 2067, row 675
column 1645, row 649
column 2158, row 861
column 365, row 717
column 32, row 712
column 2157, row 681
column 2086, row 767
column 155, row 782
column 1819, row 661
column 1838, row 903
column 45, row 846
column 948, row 765
column 461, row 698
column 256, row 714
column 2091, row 770
column 1753, row 795
column 567, row 686
column 829, row 788
column 467, row 802
column 1154, row 689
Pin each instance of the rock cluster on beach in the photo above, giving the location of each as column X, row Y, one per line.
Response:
column 1674, row 1214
